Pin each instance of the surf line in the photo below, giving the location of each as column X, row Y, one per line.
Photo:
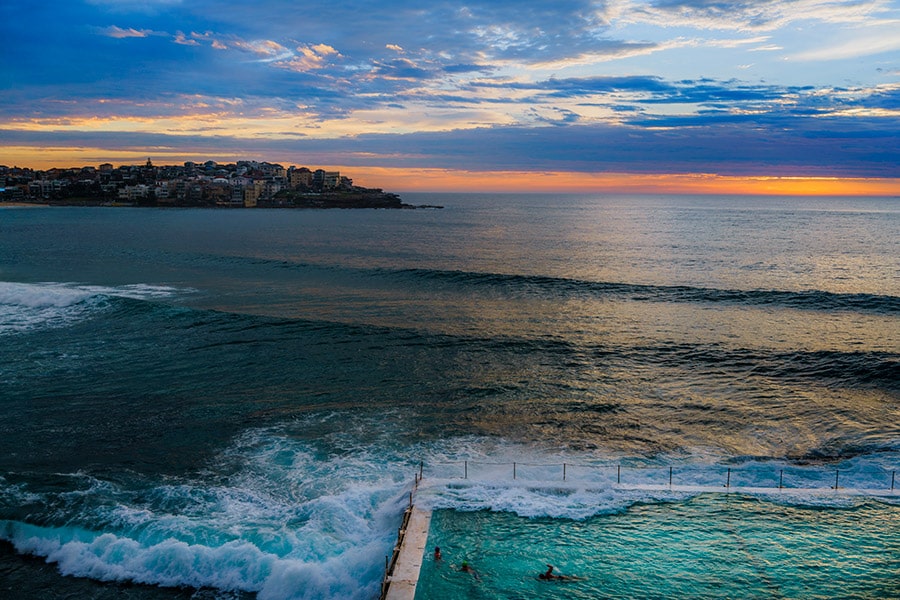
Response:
column 402, row 568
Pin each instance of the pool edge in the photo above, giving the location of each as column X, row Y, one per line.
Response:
column 401, row 583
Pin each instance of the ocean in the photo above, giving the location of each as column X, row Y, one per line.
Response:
column 201, row 403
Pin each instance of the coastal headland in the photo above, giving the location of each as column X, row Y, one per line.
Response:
column 244, row 184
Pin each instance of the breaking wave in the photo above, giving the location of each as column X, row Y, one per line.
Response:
column 25, row 306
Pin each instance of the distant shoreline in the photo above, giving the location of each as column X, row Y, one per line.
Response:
column 245, row 184
column 314, row 203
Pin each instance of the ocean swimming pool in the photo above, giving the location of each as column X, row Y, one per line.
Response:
column 710, row 546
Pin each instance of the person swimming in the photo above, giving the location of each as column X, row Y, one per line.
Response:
column 437, row 553
column 550, row 575
column 466, row 568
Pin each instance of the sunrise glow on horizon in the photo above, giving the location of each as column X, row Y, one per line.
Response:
column 444, row 180
column 798, row 97
column 437, row 180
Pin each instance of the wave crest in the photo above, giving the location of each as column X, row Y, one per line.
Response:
column 545, row 285
column 26, row 306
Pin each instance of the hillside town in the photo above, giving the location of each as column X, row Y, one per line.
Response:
column 245, row 184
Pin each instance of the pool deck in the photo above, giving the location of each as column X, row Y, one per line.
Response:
column 405, row 575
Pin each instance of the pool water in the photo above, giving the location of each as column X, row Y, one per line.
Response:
column 711, row 546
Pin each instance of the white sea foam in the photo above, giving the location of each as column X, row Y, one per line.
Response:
column 25, row 306
column 533, row 482
column 41, row 295
column 234, row 565
column 285, row 525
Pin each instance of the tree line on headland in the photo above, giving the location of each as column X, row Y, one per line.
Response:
column 244, row 184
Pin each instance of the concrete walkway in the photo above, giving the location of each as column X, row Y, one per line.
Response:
column 405, row 576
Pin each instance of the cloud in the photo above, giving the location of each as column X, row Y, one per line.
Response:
column 181, row 39
column 587, row 85
column 265, row 51
column 639, row 89
column 603, row 52
column 308, row 58
column 766, row 48
column 401, row 68
column 865, row 43
column 753, row 15
column 466, row 68
column 120, row 33
column 325, row 50
column 610, row 50
column 845, row 147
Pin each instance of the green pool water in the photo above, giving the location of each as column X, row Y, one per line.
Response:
column 707, row 547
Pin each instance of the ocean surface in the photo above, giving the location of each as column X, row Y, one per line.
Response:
column 234, row 403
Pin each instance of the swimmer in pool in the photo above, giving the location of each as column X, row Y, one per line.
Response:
column 465, row 568
column 550, row 575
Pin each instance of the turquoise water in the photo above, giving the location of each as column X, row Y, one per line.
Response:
column 712, row 546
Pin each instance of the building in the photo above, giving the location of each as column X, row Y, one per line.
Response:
column 253, row 192
column 332, row 180
column 299, row 178
column 326, row 180
column 132, row 193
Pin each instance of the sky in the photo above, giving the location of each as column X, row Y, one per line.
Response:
column 756, row 96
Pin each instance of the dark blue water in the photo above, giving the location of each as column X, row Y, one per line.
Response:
column 236, row 401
